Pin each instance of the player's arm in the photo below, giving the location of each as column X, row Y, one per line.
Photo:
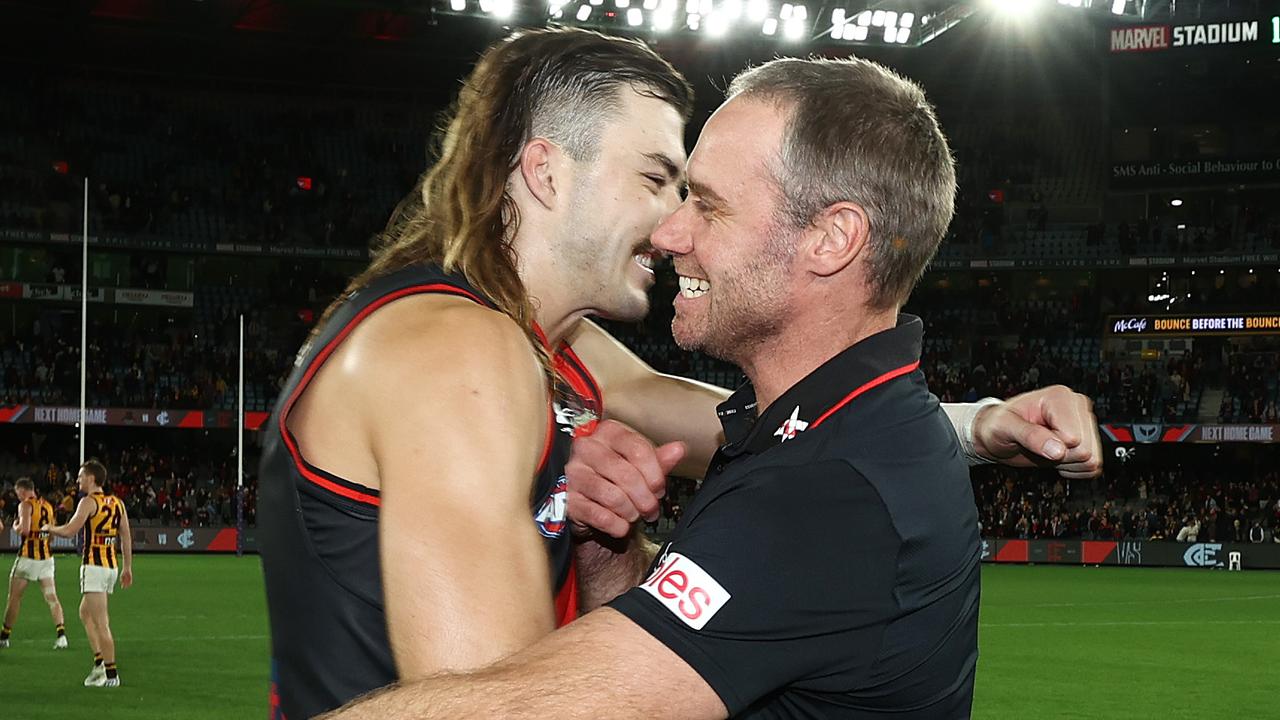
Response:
column 126, row 548
column 85, row 510
column 584, row 671
column 23, row 525
column 454, row 408
column 666, row 408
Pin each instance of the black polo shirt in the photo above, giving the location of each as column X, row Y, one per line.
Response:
column 828, row 567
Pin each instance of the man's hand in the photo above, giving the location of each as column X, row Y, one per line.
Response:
column 615, row 477
column 126, row 578
column 1050, row 427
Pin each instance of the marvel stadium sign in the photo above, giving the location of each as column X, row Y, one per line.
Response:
column 1162, row 37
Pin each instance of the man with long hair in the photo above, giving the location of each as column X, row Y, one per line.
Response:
column 413, row 477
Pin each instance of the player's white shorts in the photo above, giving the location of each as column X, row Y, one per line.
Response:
column 98, row 579
column 32, row 570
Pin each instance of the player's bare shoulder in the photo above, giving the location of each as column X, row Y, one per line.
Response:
column 422, row 341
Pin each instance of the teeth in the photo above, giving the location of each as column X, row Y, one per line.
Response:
column 644, row 260
column 693, row 287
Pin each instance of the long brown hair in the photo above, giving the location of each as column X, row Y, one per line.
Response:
column 559, row 84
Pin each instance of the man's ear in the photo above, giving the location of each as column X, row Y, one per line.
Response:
column 838, row 235
column 540, row 163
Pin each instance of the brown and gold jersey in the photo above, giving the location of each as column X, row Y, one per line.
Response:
column 35, row 544
column 102, row 531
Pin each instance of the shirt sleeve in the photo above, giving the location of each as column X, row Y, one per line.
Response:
column 784, row 578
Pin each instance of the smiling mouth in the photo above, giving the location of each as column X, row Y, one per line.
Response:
column 647, row 258
column 692, row 287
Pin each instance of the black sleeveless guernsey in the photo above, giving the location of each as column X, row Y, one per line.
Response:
column 318, row 533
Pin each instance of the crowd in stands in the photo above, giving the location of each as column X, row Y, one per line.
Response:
column 183, row 484
column 275, row 169
column 1252, row 392
column 979, row 342
column 1207, row 500
column 173, row 364
column 265, row 169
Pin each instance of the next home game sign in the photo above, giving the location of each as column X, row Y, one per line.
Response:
column 1145, row 38
column 1185, row 325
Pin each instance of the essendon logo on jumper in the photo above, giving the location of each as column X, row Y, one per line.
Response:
column 686, row 590
column 1134, row 39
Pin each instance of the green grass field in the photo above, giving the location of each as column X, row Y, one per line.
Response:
column 1057, row 642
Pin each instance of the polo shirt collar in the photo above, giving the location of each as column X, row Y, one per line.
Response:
column 835, row 384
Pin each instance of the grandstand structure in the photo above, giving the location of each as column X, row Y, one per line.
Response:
column 249, row 176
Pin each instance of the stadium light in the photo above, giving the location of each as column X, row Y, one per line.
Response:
column 794, row 28
column 891, row 18
column 864, row 18
column 584, row 12
column 663, row 21
column 634, row 17
column 1176, row 202
column 770, row 26
column 1117, row 7
column 785, row 12
column 486, row 6
column 622, row 4
column 758, row 10
column 503, row 9
column 907, row 20
column 717, row 24
column 859, row 32
column 877, row 18
column 891, row 34
column 457, row 5
column 903, row 34
column 1017, row 9
column 837, row 17
column 694, row 21
column 732, row 9
column 801, row 12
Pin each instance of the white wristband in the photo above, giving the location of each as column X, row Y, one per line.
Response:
column 962, row 417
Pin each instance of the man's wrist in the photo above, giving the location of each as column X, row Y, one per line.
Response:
column 968, row 424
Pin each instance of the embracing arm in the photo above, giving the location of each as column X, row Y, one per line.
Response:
column 465, row 574
column 666, row 408
column 87, row 507
column 600, row 667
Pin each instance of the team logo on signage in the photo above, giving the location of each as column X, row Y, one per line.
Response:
column 688, row 591
column 791, row 426
column 550, row 518
column 1146, row 433
column 1203, row 555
